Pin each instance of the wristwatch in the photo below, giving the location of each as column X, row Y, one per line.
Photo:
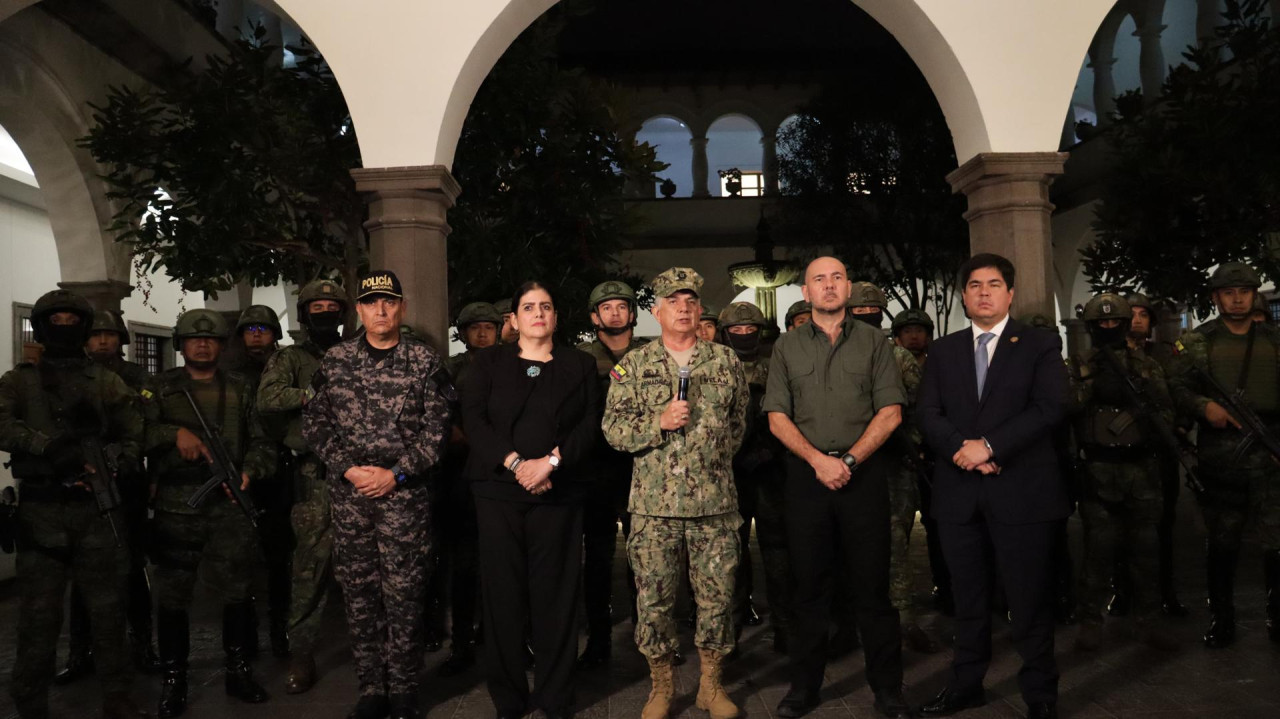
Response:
column 399, row 474
column 849, row 460
column 554, row 460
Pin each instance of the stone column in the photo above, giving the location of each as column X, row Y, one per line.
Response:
column 1009, row 213
column 407, row 234
column 769, row 163
column 699, row 145
column 102, row 294
column 1151, row 60
column 1104, row 85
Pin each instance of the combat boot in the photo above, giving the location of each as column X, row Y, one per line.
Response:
column 663, row 688
column 172, row 634
column 302, row 673
column 120, row 706
column 79, row 666
column 239, row 681
column 404, row 706
column 1271, row 570
column 1221, row 570
column 145, row 659
column 711, row 695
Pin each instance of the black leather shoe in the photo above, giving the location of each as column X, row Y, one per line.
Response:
column 677, row 659
column 371, row 707
column 753, row 617
column 1042, row 710
column 892, row 705
column 173, row 694
column 797, row 703
column 459, row 661
column 596, row 654
column 1119, row 605
column 949, row 702
column 79, row 666
column 433, row 642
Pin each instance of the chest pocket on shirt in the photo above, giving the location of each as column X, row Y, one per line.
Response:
column 856, row 373
column 656, row 393
column 801, row 377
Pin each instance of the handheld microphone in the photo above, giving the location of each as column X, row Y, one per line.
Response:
column 682, row 392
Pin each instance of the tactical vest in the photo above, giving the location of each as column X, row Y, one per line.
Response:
column 57, row 397
column 224, row 402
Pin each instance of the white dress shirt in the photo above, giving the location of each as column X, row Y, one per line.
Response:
column 991, row 346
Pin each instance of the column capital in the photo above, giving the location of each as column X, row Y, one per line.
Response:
column 415, row 178
column 988, row 168
column 102, row 294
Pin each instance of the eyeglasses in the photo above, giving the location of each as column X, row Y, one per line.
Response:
column 257, row 329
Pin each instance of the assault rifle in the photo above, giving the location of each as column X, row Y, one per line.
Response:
column 1253, row 429
column 1137, row 395
column 105, row 462
column 225, row 473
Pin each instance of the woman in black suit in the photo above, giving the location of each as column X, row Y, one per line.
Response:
column 529, row 411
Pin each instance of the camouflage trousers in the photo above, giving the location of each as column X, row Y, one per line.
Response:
column 217, row 539
column 312, row 553
column 1120, row 507
column 380, row 553
column 904, row 501
column 1240, row 495
column 58, row 542
column 659, row 548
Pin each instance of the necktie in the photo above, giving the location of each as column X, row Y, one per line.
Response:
column 980, row 359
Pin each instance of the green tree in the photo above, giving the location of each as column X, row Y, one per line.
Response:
column 544, row 168
column 238, row 172
column 863, row 173
column 1195, row 179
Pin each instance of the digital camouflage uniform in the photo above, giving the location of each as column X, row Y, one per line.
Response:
column 1121, row 499
column 44, row 411
column 393, row 414
column 605, row 507
column 904, row 491
column 282, row 392
column 683, row 504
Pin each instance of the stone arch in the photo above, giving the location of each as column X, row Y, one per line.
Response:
column 671, row 136
column 40, row 114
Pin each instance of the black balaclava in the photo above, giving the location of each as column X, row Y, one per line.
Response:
column 324, row 326
column 875, row 319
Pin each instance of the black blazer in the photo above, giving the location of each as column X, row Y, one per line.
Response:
column 1024, row 400
column 494, row 391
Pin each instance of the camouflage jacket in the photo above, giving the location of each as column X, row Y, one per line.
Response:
column 605, row 361
column 383, row 414
column 677, row 475
column 911, row 373
column 1088, row 398
column 283, row 390
column 227, row 404
column 457, row 364
column 64, row 398
column 758, row 444
column 1191, row 393
column 133, row 374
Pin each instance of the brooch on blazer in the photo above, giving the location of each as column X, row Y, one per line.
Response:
column 533, row 371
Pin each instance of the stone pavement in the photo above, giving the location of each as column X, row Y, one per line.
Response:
column 1122, row 680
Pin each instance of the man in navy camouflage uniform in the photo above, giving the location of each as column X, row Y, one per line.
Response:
column 378, row 421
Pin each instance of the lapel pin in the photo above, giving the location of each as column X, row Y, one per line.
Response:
column 1013, row 339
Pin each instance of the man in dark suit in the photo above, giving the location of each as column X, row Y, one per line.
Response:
column 990, row 398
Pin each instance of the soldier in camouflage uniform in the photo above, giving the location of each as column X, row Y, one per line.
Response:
column 257, row 334
column 708, row 323
column 1121, row 502
column 1140, row 337
column 799, row 313
column 757, row 474
column 217, row 534
column 912, row 330
column 458, row 567
column 868, row 304
column 46, row 411
column 378, row 421
column 507, row 333
column 613, row 313
column 1240, row 491
column 683, row 503
column 285, row 388
column 107, row 336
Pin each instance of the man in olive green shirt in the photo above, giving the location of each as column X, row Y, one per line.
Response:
column 834, row 396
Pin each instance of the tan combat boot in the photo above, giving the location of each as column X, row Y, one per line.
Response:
column 659, row 703
column 711, row 696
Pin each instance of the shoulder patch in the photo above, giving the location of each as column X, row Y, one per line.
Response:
column 1178, row 347
column 147, row 394
column 618, row 372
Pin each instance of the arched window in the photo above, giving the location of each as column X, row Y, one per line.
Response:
column 670, row 138
column 733, row 142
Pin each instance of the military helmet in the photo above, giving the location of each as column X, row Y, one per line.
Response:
column 260, row 315
column 797, row 308
column 321, row 290
column 611, row 290
column 200, row 323
column 866, row 294
column 1106, row 306
column 1138, row 299
column 108, row 321
column 742, row 313
column 910, row 317
column 709, row 313
column 1234, row 274
column 1040, row 321
column 56, row 301
column 503, row 306
column 478, row 312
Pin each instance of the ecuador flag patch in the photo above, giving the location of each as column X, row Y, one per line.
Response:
column 617, row 372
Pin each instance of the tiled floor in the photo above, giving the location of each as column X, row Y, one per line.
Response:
column 1121, row 680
